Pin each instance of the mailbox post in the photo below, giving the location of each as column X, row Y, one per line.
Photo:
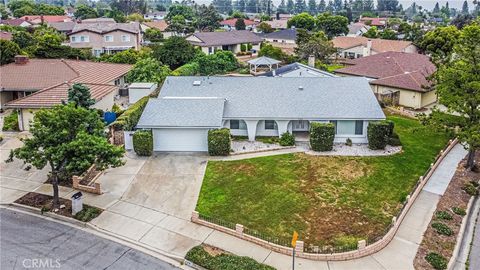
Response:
column 77, row 202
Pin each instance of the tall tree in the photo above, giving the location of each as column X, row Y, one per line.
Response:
column 312, row 7
column 9, row 49
column 68, row 140
column 465, row 7
column 302, row 21
column 148, row 70
column 79, row 95
column 439, row 43
column 207, row 18
column 322, row 6
column 332, row 25
column 127, row 6
column 337, row 5
column 174, row 52
column 300, row 6
column 436, row 9
column 282, row 8
column 83, row 12
column 368, row 5
column 240, row 24
column 458, row 89
column 316, row 44
column 290, row 6
column 241, row 5
column 330, row 7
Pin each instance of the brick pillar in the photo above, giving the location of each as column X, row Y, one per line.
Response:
column 407, row 198
column 195, row 216
column 362, row 244
column 299, row 247
column 394, row 220
column 420, row 178
column 239, row 229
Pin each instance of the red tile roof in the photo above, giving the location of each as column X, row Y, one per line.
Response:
column 54, row 95
column 378, row 45
column 374, row 21
column 46, row 18
column 394, row 69
column 14, row 22
column 231, row 22
column 159, row 25
column 5, row 35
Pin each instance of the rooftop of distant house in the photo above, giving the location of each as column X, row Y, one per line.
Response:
column 285, row 34
column 5, row 35
column 14, row 22
column 225, row 38
column 374, row 21
column 45, row 18
column 106, row 27
column 378, row 45
column 233, row 21
column 160, row 25
column 393, row 69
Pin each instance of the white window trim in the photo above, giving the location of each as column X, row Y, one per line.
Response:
column 106, row 40
column 126, row 36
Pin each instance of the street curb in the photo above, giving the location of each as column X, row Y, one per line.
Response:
column 101, row 233
column 465, row 221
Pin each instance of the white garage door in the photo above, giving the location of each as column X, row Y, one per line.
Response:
column 180, row 139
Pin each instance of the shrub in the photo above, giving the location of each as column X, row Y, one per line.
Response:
column 143, row 142
column 219, row 142
column 443, row 215
column 348, row 142
column 10, row 122
column 1, row 138
column 436, row 260
column 117, row 110
column 249, row 46
column 391, row 125
column 201, row 257
column 459, row 211
column 378, row 134
column 129, row 119
column 287, row 139
column 470, row 189
column 243, row 47
column 394, row 140
column 190, row 69
column 322, row 136
column 88, row 213
column 442, row 228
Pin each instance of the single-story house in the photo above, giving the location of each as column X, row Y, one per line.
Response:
column 256, row 106
column 357, row 29
column 355, row 47
column 209, row 42
column 26, row 76
column 298, row 70
column 155, row 15
column 160, row 25
column 39, row 19
column 285, row 39
column 396, row 77
column 278, row 24
column 229, row 24
column 104, row 95
column 378, row 22
column 16, row 22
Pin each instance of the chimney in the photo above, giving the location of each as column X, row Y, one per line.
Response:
column 367, row 51
column 311, row 61
column 21, row 59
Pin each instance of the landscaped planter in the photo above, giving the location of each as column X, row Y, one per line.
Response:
column 87, row 181
column 128, row 139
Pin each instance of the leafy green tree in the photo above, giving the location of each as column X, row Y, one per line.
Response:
column 129, row 56
column 79, row 95
column 372, row 32
column 302, row 21
column 9, row 49
column 68, row 140
column 436, row 9
column 135, row 17
column 290, row 6
column 439, row 43
column 20, row 8
column 129, row 6
column 148, row 70
column 322, row 6
column 461, row 20
column 175, row 52
column 117, row 15
column 220, row 62
column 388, row 34
column 316, row 44
column 332, row 25
column 458, row 89
column 465, row 7
column 178, row 24
column 271, row 51
column 83, row 12
column 23, row 39
column 153, row 35
column 177, row 9
column 207, row 18
column 412, row 33
column 3, row 12
column 45, row 9
column 312, row 7
column 240, row 24
column 265, row 28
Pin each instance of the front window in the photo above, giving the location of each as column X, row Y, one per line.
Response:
column 270, row 124
column 237, row 124
column 84, row 39
column 73, row 39
column 109, row 38
column 350, row 127
column 125, row 38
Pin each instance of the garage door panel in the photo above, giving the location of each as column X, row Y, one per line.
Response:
column 180, row 139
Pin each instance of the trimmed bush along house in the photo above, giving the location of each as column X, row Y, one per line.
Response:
column 188, row 107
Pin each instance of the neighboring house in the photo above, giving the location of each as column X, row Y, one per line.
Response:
column 160, row 25
column 357, row 29
column 396, row 77
column 106, row 37
column 5, row 35
column 229, row 24
column 63, row 27
column 278, row 24
column 378, row 22
column 16, row 22
column 155, row 16
column 209, row 42
column 39, row 19
column 297, row 70
column 285, row 39
column 256, row 106
column 21, row 79
column 356, row 47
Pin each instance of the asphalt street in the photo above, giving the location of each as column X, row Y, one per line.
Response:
column 30, row 242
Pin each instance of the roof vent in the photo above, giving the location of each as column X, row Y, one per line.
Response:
column 197, row 83
column 300, row 88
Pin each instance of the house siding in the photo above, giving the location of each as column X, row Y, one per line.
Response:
column 97, row 41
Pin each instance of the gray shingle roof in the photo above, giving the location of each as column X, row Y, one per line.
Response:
column 287, row 34
column 182, row 112
column 310, row 71
column 226, row 38
column 267, row 98
column 263, row 60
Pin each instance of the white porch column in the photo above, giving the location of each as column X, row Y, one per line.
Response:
column 251, row 129
column 282, row 126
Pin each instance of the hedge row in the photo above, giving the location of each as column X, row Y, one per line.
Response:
column 287, row 139
column 129, row 119
column 201, row 257
column 143, row 142
column 219, row 142
column 322, row 136
column 378, row 134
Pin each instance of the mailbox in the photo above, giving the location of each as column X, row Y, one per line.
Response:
column 77, row 202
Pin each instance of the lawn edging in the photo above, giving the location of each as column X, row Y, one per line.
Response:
column 363, row 248
column 37, row 211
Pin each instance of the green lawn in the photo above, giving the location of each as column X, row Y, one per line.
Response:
column 328, row 200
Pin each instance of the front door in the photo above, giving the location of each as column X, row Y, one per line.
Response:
column 300, row 125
